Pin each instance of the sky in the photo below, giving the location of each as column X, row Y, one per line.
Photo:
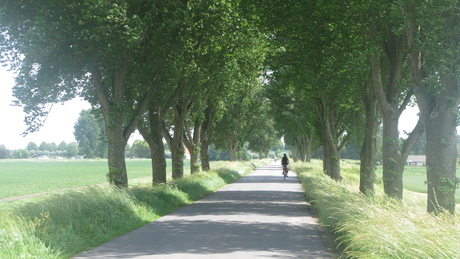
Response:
column 59, row 125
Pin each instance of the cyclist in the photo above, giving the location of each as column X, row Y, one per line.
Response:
column 285, row 162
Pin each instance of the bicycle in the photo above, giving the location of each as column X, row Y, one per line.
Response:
column 285, row 171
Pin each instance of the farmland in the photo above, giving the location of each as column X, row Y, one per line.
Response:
column 23, row 177
column 415, row 177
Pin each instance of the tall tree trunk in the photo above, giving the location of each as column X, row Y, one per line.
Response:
column 326, row 162
column 194, row 162
column 192, row 142
column 158, row 157
column 388, row 100
column 176, row 144
column 439, row 114
column 207, row 129
column 302, row 150
column 333, row 161
column 393, row 162
column 116, row 156
column 329, row 135
column 368, row 149
column 153, row 134
column 154, row 139
column 309, row 151
column 295, row 153
column 177, row 158
column 204, row 155
column 232, row 152
column 117, row 126
column 441, row 151
column 394, row 157
column 232, row 147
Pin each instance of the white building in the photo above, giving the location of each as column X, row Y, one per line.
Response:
column 416, row 160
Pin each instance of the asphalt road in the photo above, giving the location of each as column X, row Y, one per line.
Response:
column 258, row 216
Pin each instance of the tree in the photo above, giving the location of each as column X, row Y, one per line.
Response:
column 321, row 69
column 239, row 64
column 432, row 33
column 207, row 131
column 163, row 72
column 175, row 140
column 387, row 57
column 205, row 59
column 21, row 153
column 72, row 149
column 85, row 48
column 140, row 149
column 4, row 153
column 264, row 139
column 369, row 144
column 90, row 135
column 44, row 146
column 53, row 146
column 62, row 146
column 240, row 120
column 294, row 118
column 128, row 151
column 32, row 146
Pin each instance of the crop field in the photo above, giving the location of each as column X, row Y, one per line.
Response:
column 23, row 177
column 414, row 178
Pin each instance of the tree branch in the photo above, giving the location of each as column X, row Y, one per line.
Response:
column 412, row 139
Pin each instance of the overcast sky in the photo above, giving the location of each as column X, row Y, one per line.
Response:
column 61, row 120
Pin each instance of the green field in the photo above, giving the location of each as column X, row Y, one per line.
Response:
column 414, row 178
column 22, row 177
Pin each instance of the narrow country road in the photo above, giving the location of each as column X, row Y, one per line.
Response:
column 258, row 216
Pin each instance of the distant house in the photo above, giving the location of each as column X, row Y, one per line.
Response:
column 187, row 153
column 416, row 160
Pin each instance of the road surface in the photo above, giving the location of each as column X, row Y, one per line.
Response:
column 258, row 216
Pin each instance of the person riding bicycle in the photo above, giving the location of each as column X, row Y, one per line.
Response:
column 285, row 162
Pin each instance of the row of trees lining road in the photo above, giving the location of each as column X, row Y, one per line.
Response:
column 351, row 62
column 163, row 67
column 190, row 72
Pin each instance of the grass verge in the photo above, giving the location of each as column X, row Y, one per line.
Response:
column 62, row 225
column 377, row 227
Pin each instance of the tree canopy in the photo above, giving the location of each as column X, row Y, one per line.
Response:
column 229, row 73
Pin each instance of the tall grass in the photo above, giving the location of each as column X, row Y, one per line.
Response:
column 377, row 227
column 62, row 225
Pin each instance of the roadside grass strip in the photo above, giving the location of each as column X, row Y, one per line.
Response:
column 377, row 227
column 62, row 225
